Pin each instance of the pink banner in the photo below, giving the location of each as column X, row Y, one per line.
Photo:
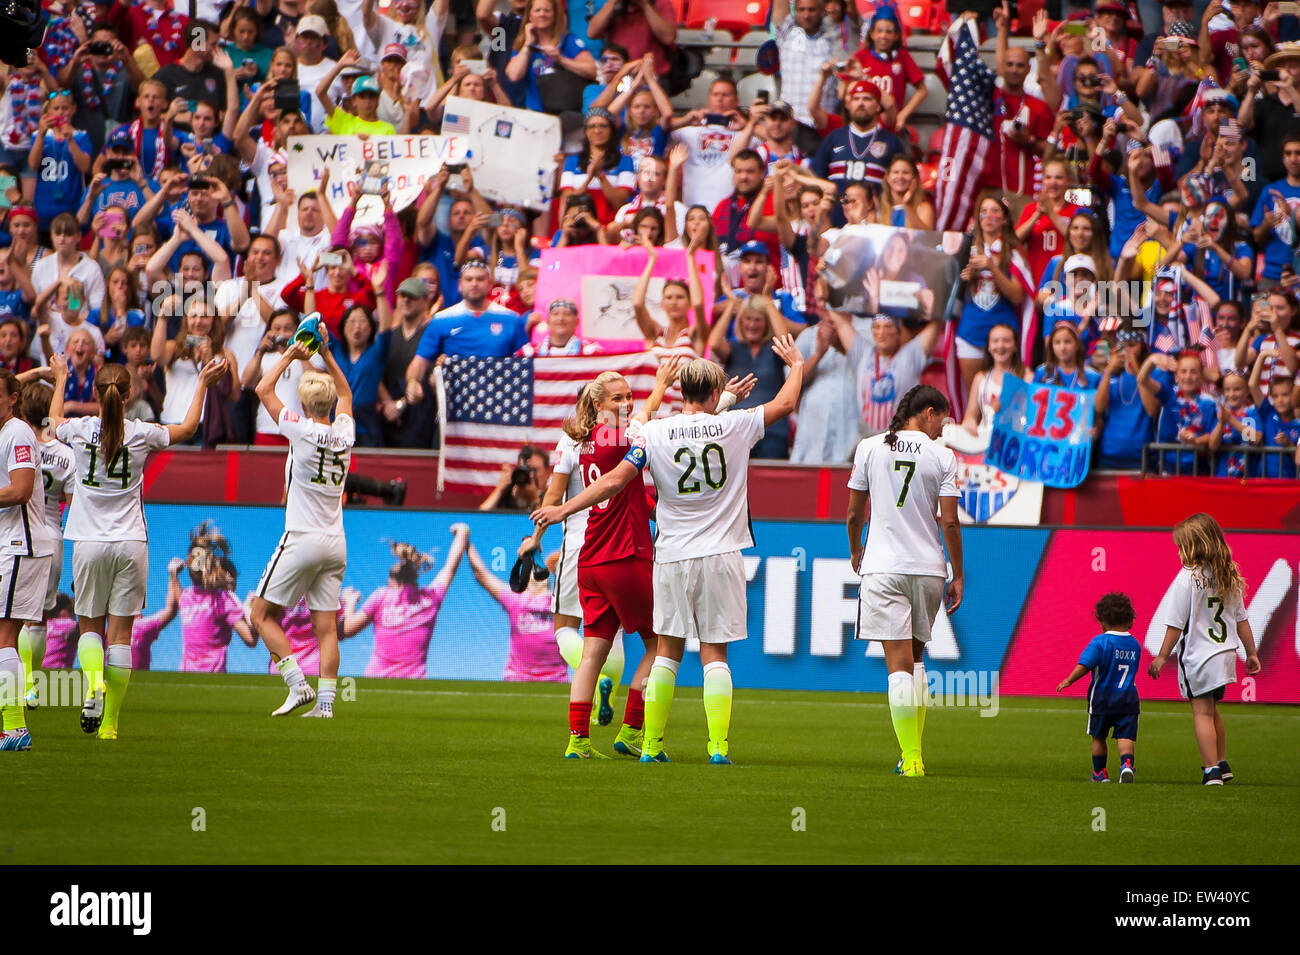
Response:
column 1080, row 566
column 601, row 279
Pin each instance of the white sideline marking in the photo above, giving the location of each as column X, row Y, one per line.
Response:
column 689, row 690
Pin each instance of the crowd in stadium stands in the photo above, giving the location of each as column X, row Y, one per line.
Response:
column 145, row 150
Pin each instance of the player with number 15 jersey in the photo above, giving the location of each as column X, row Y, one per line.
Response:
column 312, row 553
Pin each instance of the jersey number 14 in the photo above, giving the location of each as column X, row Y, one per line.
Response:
column 118, row 469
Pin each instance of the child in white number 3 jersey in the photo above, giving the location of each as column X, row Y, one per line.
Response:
column 312, row 553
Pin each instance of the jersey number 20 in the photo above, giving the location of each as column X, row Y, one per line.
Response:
column 714, row 468
column 119, row 468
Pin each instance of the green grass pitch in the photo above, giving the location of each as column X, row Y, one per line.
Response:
column 414, row 772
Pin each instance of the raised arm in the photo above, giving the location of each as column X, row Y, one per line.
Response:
column 787, row 399
column 644, row 321
column 486, row 579
column 266, row 387
column 341, row 386
column 208, row 377
column 459, row 541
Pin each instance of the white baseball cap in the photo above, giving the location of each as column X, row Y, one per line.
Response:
column 313, row 24
column 1076, row 263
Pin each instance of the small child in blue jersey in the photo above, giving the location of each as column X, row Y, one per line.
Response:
column 1281, row 427
column 1112, row 658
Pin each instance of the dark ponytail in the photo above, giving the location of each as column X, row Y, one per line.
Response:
column 112, row 384
column 911, row 405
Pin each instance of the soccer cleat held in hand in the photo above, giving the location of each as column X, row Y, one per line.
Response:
column 299, row 696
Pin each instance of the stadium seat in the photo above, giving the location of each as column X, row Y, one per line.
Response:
column 736, row 17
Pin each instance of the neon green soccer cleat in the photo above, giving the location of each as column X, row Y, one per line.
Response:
column 628, row 742
column 913, row 768
column 580, row 748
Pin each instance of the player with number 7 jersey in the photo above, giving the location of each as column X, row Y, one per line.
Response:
column 312, row 553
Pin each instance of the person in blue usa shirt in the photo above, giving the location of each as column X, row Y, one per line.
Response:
column 1280, row 428
column 1113, row 705
column 473, row 326
column 1171, row 389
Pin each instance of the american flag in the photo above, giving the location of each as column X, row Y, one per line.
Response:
column 1165, row 342
column 489, row 408
column 1206, row 338
column 455, row 123
column 968, row 125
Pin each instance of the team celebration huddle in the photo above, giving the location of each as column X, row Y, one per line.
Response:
column 688, row 584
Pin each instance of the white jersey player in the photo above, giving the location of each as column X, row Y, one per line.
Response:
column 910, row 479
column 57, row 469
column 1205, row 620
column 312, row 554
column 699, row 461
column 110, row 551
column 25, row 554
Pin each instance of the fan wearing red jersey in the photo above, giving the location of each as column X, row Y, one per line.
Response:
column 615, row 569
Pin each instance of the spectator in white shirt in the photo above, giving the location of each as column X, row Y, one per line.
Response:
column 805, row 44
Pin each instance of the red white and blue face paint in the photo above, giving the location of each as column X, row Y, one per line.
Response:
column 1215, row 220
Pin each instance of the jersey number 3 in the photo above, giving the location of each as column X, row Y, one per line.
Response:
column 714, row 468
column 1217, row 631
column 118, row 469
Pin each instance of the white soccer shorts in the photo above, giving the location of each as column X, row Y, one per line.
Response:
column 565, row 600
column 1205, row 676
column 898, row 606
column 109, row 577
column 22, row 587
column 305, row 563
column 56, row 574
column 702, row 597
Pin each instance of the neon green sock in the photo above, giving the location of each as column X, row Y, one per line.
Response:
column 26, row 644
column 12, row 707
column 658, row 701
column 570, row 643
column 117, row 675
column 717, row 705
column 902, row 711
column 919, row 693
column 90, row 654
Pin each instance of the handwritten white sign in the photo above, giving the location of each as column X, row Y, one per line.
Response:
column 411, row 162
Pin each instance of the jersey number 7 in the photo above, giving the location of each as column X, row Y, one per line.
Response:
column 910, row 467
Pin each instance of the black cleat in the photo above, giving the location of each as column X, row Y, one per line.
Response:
column 1212, row 777
column 1225, row 771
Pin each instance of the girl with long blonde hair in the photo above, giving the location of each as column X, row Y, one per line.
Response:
column 1205, row 621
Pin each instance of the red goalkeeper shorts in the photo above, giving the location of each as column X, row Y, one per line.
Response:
column 620, row 592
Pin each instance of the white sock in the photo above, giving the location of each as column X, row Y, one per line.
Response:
column 900, row 690
column 325, row 692
column 920, row 694
column 613, row 667
column 291, row 672
column 118, row 655
column 12, row 684
column 668, row 662
column 570, row 643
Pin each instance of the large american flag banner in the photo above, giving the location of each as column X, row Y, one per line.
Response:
column 968, row 126
column 489, row 408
